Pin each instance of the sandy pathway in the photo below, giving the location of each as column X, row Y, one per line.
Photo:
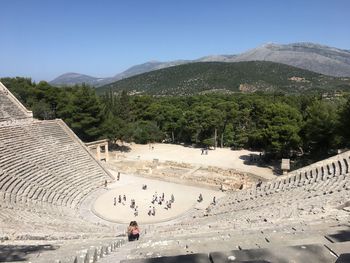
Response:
column 225, row 158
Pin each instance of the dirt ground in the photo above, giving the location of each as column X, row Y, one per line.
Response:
column 173, row 161
column 224, row 158
column 131, row 186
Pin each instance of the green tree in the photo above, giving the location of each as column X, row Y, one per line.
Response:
column 320, row 128
column 42, row 110
column 228, row 111
column 145, row 132
column 201, row 122
column 113, row 128
column 241, row 127
column 123, row 106
column 282, row 124
column 84, row 114
column 344, row 130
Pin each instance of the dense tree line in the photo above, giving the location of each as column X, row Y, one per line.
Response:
column 78, row 106
column 281, row 125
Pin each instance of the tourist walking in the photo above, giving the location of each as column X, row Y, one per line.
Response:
column 259, row 183
column 200, row 198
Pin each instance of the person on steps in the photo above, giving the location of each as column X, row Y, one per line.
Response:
column 133, row 231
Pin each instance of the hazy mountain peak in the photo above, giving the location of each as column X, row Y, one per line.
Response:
column 72, row 78
column 306, row 55
column 314, row 57
column 153, row 61
column 268, row 44
column 216, row 58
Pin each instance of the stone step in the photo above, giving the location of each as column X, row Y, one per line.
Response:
column 191, row 258
column 342, row 234
column 339, row 248
column 64, row 251
column 296, row 254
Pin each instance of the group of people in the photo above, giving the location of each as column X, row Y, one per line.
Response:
column 200, row 199
column 156, row 200
column 133, row 230
column 122, row 200
column 151, row 211
column 160, row 200
column 204, row 151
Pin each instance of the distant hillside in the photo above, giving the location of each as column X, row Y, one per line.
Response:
column 228, row 77
column 70, row 79
column 318, row 58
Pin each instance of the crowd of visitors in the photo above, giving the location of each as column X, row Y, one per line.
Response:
column 157, row 200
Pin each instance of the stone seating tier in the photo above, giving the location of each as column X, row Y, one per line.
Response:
column 49, row 224
column 8, row 110
column 41, row 162
column 285, row 234
column 301, row 196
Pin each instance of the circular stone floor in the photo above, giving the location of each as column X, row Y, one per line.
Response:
column 131, row 186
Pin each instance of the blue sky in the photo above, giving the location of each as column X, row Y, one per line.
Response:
column 42, row 39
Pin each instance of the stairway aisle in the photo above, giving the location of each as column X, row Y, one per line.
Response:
column 121, row 254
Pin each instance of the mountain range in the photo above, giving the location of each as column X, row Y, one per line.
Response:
column 309, row 56
column 227, row 77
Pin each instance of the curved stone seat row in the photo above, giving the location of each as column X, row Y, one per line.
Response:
column 45, row 174
column 319, row 171
column 301, row 196
column 7, row 109
column 41, row 163
column 336, row 165
column 26, row 224
column 264, row 218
